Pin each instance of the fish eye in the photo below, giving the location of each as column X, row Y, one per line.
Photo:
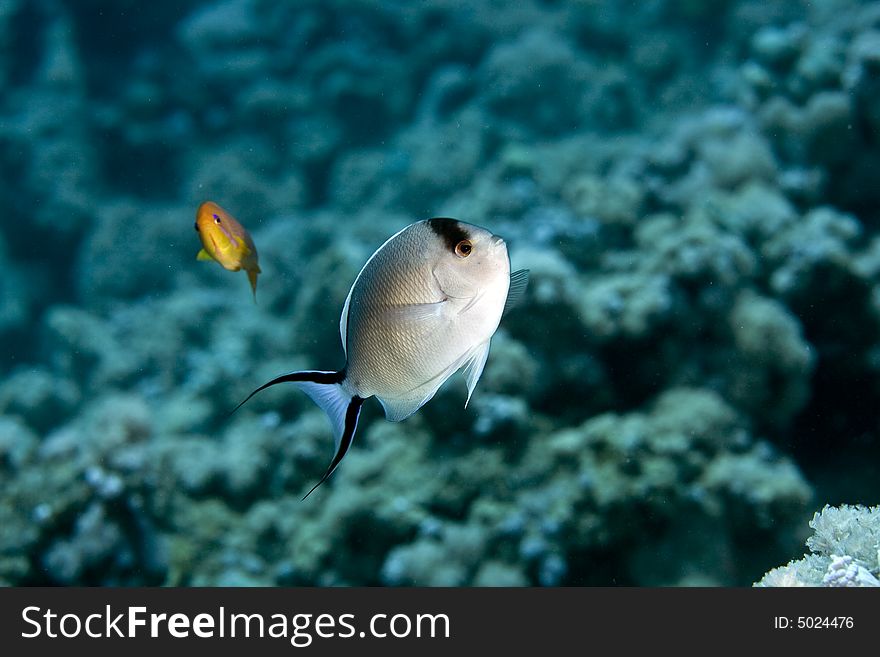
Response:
column 463, row 249
column 216, row 219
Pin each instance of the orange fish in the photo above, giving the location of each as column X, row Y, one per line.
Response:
column 226, row 241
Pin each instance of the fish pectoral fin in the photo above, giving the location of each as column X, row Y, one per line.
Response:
column 519, row 281
column 203, row 255
column 473, row 367
column 415, row 312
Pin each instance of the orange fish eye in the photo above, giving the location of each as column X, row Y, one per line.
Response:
column 463, row 249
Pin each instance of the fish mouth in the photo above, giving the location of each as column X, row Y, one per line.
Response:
column 497, row 244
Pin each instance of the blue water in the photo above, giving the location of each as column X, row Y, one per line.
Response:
column 693, row 372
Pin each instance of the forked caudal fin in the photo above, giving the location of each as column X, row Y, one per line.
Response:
column 342, row 409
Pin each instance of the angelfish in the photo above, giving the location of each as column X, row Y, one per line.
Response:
column 226, row 241
column 425, row 305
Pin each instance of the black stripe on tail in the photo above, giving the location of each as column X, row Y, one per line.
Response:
column 293, row 377
column 351, row 421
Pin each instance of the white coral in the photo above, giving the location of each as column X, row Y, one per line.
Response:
column 843, row 571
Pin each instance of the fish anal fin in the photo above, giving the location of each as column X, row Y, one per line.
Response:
column 203, row 255
column 401, row 407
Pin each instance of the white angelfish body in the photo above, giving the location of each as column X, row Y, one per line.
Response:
column 425, row 305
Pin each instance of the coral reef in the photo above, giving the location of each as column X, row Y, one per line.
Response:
column 695, row 365
column 846, row 551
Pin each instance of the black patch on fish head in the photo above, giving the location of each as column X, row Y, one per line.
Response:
column 196, row 226
column 451, row 231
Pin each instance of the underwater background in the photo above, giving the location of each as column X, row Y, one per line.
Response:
column 694, row 371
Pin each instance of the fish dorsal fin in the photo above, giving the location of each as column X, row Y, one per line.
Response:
column 519, row 281
column 473, row 367
column 343, row 322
